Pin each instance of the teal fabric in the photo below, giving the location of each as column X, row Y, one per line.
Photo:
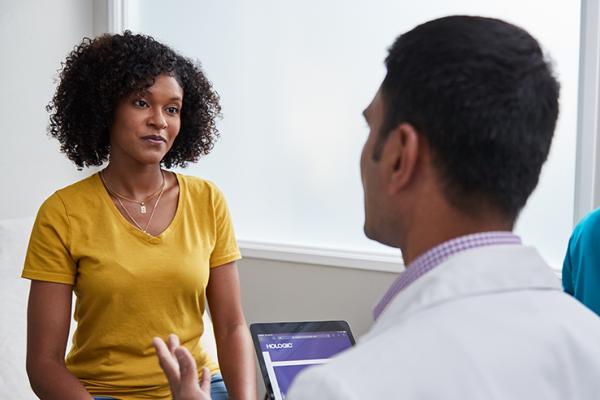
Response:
column 581, row 268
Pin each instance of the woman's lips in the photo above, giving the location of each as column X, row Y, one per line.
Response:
column 154, row 139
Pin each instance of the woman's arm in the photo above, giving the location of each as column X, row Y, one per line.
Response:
column 48, row 322
column 234, row 345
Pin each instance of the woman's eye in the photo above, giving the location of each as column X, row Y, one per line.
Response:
column 172, row 110
column 140, row 103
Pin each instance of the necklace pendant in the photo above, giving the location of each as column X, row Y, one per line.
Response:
column 142, row 208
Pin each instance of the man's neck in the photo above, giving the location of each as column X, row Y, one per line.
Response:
column 442, row 227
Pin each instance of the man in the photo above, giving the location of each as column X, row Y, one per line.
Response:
column 459, row 130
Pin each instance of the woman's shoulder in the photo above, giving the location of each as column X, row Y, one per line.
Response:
column 199, row 186
column 78, row 193
column 83, row 187
column 67, row 201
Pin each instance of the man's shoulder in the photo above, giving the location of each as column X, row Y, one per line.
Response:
column 320, row 382
column 342, row 378
column 400, row 360
column 354, row 373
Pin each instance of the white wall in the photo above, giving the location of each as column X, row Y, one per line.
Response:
column 35, row 36
column 274, row 291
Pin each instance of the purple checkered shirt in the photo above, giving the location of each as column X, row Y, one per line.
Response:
column 434, row 257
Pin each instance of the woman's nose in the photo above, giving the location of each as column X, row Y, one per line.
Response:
column 158, row 120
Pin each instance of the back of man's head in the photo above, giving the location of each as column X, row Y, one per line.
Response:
column 484, row 97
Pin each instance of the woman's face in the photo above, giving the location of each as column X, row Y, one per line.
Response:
column 146, row 123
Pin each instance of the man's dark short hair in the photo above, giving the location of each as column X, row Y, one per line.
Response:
column 482, row 94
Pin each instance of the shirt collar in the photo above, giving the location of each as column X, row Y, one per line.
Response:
column 435, row 256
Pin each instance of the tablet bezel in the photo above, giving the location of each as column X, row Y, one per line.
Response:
column 291, row 328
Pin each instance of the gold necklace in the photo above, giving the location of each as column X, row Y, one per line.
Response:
column 144, row 229
column 142, row 203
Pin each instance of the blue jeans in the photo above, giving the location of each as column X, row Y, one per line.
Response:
column 218, row 391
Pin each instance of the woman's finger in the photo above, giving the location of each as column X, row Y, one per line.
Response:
column 167, row 362
column 205, row 380
column 188, row 371
column 173, row 341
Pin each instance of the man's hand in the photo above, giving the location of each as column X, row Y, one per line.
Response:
column 180, row 368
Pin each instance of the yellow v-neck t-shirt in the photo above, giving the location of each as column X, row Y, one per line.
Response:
column 130, row 286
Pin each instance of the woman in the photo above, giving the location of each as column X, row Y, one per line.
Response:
column 138, row 245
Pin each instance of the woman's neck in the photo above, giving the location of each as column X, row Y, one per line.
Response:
column 131, row 181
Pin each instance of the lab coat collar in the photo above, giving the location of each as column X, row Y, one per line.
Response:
column 474, row 272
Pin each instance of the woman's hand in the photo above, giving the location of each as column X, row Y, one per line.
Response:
column 180, row 369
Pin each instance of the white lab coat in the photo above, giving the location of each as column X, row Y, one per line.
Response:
column 488, row 323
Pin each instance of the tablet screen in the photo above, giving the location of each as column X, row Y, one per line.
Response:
column 283, row 355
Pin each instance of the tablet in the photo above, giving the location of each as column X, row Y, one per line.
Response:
column 286, row 348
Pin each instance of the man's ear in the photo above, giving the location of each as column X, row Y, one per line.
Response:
column 399, row 156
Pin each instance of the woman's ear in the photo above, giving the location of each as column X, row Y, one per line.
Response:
column 399, row 156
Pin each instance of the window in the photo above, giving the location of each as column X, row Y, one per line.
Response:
column 294, row 78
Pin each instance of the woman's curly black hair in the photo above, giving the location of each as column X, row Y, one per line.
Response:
column 100, row 72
